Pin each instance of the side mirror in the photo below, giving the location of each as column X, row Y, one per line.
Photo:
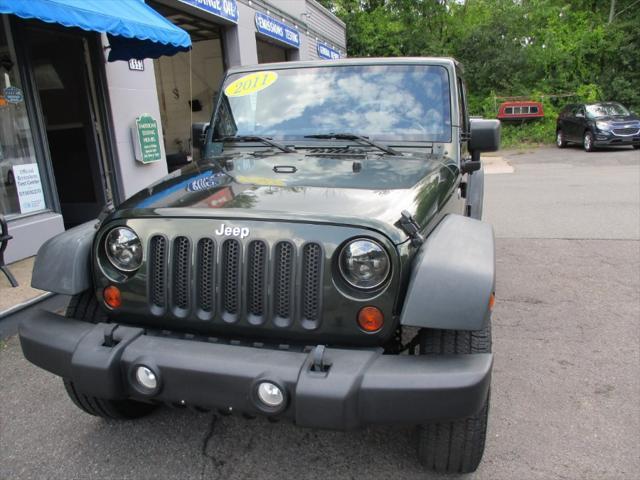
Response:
column 485, row 136
column 199, row 134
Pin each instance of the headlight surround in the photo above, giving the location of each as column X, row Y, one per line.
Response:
column 124, row 249
column 604, row 126
column 364, row 263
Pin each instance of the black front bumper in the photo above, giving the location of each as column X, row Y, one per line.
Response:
column 605, row 138
column 360, row 387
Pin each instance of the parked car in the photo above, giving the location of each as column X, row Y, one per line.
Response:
column 324, row 262
column 597, row 125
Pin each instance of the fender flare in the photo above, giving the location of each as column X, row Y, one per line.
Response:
column 453, row 277
column 62, row 265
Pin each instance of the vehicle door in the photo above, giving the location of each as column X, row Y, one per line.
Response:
column 578, row 123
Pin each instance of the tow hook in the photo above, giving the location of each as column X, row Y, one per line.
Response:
column 320, row 363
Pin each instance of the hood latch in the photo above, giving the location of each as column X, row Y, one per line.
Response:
column 409, row 226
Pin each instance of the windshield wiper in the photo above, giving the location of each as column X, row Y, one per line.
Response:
column 255, row 138
column 353, row 136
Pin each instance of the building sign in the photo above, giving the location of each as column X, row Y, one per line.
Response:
column 277, row 30
column 327, row 52
column 146, row 140
column 13, row 95
column 227, row 9
column 137, row 65
column 29, row 187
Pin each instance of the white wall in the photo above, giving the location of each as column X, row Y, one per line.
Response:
column 132, row 93
column 240, row 41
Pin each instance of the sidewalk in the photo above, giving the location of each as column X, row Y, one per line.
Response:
column 13, row 297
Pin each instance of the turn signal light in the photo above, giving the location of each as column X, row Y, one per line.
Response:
column 370, row 319
column 492, row 301
column 112, row 296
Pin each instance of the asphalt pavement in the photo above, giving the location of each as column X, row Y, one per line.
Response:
column 566, row 385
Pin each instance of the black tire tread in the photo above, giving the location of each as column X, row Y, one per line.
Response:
column 85, row 307
column 455, row 446
column 563, row 144
column 584, row 145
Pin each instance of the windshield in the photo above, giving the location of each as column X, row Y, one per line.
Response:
column 606, row 110
column 385, row 102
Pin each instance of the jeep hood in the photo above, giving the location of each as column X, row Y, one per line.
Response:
column 367, row 191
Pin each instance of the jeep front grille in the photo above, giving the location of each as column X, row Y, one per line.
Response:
column 236, row 281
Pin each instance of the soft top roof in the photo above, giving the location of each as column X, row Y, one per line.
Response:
column 442, row 61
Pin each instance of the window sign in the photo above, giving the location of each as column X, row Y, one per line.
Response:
column 327, row 52
column 29, row 187
column 227, row 9
column 137, row 65
column 146, row 140
column 13, row 95
column 277, row 30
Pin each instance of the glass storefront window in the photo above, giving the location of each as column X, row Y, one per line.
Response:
column 21, row 185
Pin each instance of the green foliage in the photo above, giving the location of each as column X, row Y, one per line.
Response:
column 529, row 48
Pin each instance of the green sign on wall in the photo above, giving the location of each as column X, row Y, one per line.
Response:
column 146, row 139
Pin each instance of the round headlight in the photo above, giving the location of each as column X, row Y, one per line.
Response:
column 364, row 263
column 124, row 249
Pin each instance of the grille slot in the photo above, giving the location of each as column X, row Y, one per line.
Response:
column 157, row 272
column 205, row 284
column 626, row 131
column 311, row 284
column 256, row 280
column 180, row 280
column 230, row 280
column 283, row 281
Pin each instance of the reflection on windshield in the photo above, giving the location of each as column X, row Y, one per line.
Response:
column 606, row 110
column 386, row 102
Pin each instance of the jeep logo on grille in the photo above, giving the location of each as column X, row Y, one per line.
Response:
column 232, row 231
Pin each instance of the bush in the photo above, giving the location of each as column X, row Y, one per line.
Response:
column 529, row 133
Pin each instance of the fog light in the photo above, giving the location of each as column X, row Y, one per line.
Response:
column 146, row 377
column 270, row 394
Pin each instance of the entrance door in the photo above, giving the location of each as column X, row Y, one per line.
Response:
column 60, row 62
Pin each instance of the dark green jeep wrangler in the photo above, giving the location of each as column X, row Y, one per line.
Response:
column 323, row 262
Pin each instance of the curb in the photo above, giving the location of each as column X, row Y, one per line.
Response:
column 23, row 305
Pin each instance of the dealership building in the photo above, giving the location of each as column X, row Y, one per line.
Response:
column 98, row 96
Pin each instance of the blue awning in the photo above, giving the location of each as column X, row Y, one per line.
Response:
column 134, row 29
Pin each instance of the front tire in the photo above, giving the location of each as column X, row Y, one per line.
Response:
column 85, row 307
column 560, row 140
column 456, row 446
column 587, row 142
